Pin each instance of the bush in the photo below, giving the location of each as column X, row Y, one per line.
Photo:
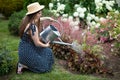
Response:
column 6, row 60
column 14, row 22
column 42, row 2
column 7, row 7
column 46, row 12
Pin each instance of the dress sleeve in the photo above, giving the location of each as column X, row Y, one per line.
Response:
column 32, row 28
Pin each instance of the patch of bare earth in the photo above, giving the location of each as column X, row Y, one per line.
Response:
column 112, row 61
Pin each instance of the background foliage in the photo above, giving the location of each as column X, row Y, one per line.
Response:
column 7, row 7
column 6, row 60
column 42, row 2
column 14, row 22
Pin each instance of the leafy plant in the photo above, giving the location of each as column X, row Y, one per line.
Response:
column 46, row 12
column 8, row 7
column 115, row 32
column 42, row 2
column 6, row 60
column 14, row 22
column 92, row 62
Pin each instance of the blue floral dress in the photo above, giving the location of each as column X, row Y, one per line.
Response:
column 37, row 59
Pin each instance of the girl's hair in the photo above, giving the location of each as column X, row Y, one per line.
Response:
column 26, row 20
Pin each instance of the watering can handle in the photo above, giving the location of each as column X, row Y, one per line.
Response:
column 60, row 25
column 49, row 18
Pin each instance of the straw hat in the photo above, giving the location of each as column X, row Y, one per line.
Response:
column 34, row 7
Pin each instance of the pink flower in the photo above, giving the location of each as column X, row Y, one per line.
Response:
column 103, row 39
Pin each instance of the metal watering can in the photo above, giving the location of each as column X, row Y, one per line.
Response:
column 50, row 34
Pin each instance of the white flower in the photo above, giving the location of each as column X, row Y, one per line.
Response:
column 61, row 7
column 79, row 9
column 100, row 4
column 75, row 14
column 65, row 15
column 109, row 7
column 64, row 19
column 84, row 9
column 50, row 5
column 92, row 16
column 76, row 5
column 58, row 4
column 70, row 18
column 96, row 18
column 81, row 15
column 61, row 12
column 97, row 1
column 93, row 23
column 104, row 2
column 111, row 3
column 54, row 11
column 116, row 12
column 89, row 18
column 57, row 14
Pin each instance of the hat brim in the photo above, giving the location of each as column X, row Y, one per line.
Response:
column 41, row 7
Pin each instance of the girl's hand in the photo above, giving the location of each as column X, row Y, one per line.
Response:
column 47, row 44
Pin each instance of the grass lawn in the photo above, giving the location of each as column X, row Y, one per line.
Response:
column 58, row 72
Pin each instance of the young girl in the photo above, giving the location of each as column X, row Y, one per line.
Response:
column 33, row 54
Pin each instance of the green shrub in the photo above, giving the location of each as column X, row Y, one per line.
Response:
column 115, row 31
column 6, row 60
column 46, row 12
column 42, row 2
column 7, row 7
column 14, row 22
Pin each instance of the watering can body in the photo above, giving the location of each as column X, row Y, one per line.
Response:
column 50, row 33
